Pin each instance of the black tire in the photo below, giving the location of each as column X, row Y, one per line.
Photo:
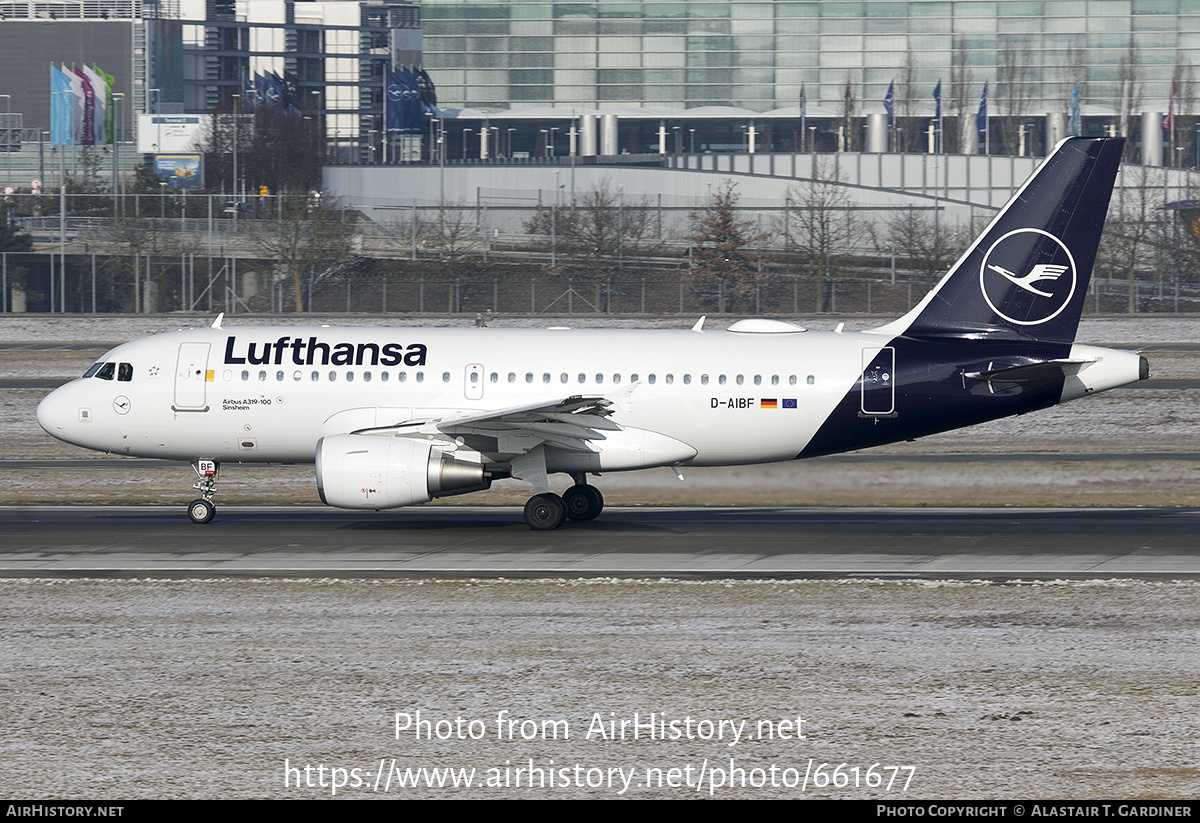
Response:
column 201, row 511
column 583, row 502
column 545, row 512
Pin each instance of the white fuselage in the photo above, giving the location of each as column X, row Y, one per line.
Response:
column 711, row 390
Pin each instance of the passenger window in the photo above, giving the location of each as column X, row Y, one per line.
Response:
column 296, row 375
column 721, row 380
column 332, row 376
column 366, row 377
column 125, row 372
column 651, row 379
column 512, row 377
column 315, row 376
column 616, row 378
column 599, row 378
column 278, row 377
column 349, row 377
column 633, row 378
column 792, row 380
column 528, row 377
column 445, row 377
column 582, row 378
column 383, row 376
column 687, row 379
column 774, row 380
column 811, row 380
column 245, row 375
column 670, row 379
column 402, row 376
column 704, row 380
column 758, row 379
column 563, row 378
column 262, row 375
column 740, row 380
column 495, row 377
column 474, row 378
column 420, row 377
column 546, row 377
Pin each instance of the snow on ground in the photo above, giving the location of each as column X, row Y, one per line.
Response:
column 202, row 688
column 117, row 328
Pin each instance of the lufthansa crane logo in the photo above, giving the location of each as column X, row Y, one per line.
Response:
column 1028, row 277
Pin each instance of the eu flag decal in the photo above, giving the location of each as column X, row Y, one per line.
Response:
column 789, row 402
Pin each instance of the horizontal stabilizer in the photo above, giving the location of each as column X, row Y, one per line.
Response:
column 1027, row 372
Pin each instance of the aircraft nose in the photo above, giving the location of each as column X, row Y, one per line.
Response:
column 53, row 413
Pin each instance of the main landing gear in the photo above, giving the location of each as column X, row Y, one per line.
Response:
column 548, row 511
column 202, row 509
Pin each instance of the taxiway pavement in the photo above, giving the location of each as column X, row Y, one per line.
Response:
column 493, row 542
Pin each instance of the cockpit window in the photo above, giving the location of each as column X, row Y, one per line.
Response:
column 95, row 368
column 107, row 371
column 125, row 372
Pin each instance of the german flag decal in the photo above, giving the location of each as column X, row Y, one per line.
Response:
column 768, row 403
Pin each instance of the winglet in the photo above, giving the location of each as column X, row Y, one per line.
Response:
column 699, row 324
column 217, row 323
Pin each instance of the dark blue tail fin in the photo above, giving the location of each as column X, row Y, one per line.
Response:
column 1027, row 274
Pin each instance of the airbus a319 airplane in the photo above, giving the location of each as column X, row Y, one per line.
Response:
column 393, row 416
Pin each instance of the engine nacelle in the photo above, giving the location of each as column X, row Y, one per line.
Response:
column 362, row 471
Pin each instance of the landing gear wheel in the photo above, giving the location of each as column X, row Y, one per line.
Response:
column 545, row 512
column 201, row 511
column 583, row 502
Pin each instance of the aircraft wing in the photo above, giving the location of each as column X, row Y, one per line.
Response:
column 568, row 423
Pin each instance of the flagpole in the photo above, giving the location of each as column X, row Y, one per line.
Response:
column 384, row 132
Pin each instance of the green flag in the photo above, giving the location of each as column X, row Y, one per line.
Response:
column 110, row 131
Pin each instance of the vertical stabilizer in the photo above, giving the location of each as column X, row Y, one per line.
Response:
column 1027, row 274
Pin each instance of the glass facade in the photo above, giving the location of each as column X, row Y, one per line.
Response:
column 758, row 55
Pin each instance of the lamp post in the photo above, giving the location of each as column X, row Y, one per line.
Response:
column 116, row 138
column 7, row 138
column 236, row 99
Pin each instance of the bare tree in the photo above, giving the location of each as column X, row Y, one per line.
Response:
column 598, row 230
column 450, row 230
column 819, row 222
column 920, row 241
column 959, row 132
column 1014, row 84
column 1133, row 228
column 303, row 237
column 908, row 128
column 726, row 254
column 1130, row 88
column 1183, row 132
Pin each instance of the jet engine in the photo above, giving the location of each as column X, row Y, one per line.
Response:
column 362, row 471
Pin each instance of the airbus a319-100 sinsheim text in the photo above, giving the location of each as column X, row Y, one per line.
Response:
column 398, row 416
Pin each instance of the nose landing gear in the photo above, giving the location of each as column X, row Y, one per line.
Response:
column 202, row 509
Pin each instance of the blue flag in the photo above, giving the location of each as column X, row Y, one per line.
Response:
column 62, row 123
column 889, row 103
column 393, row 101
column 937, row 102
column 982, row 117
column 249, row 94
column 1073, row 123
